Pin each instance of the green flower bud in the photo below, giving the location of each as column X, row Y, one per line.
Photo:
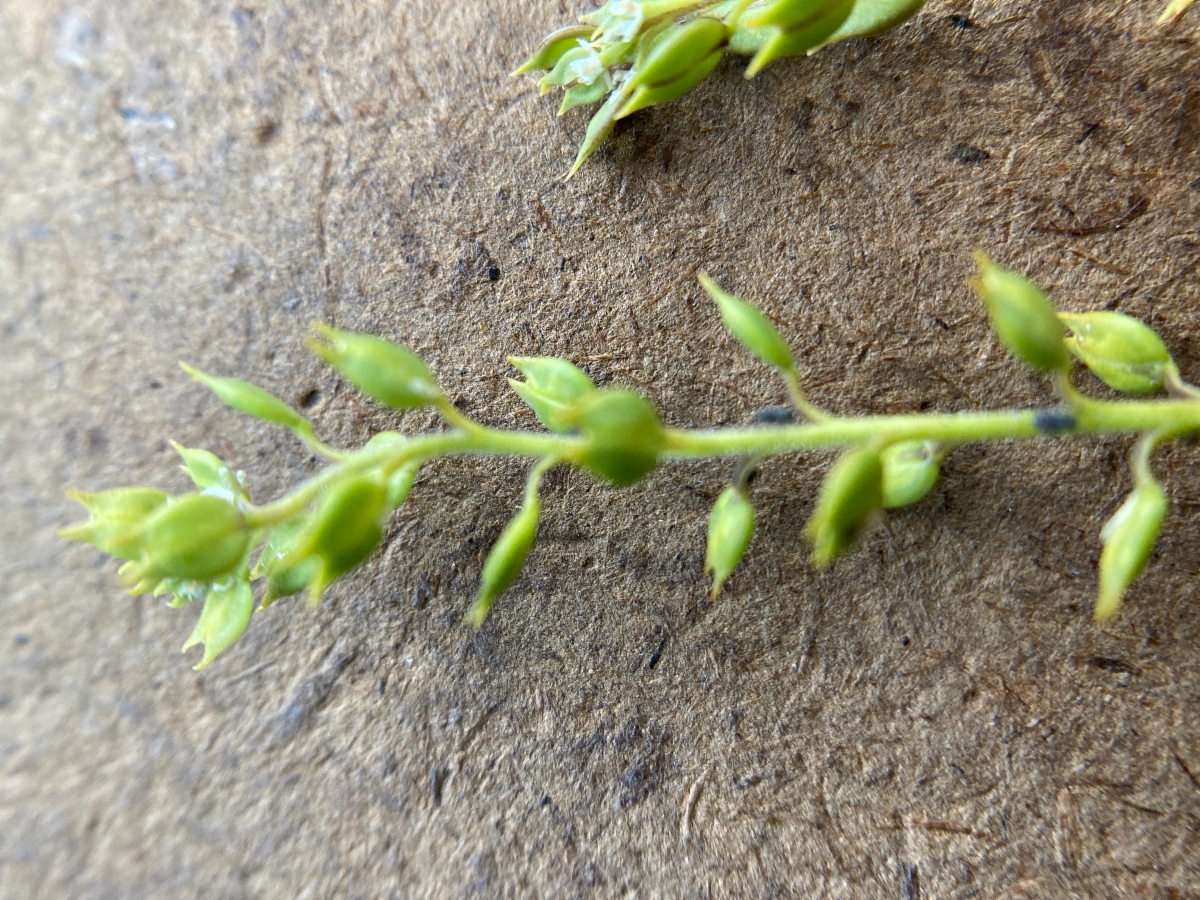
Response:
column 196, row 537
column 910, row 470
column 209, row 473
column 551, row 388
column 624, row 436
column 506, row 558
column 729, row 531
column 676, row 60
column 789, row 28
column 250, row 399
column 870, row 17
column 553, row 47
column 384, row 371
column 116, row 519
column 400, row 485
column 1121, row 351
column 850, row 497
column 583, row 94
column 1129, row 538
column 1022, row 316
column 752, row 329
column 226, row 614
column 345, row 530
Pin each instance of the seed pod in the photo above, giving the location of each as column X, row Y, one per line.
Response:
column 345, row 530
column 553, row 47
column 679, row 59
column 850, row 497
column 624, row 436
column 1129, row 538
column 551, row 388
column 1022, row 316
column 729, row 532
column 580, row 65
column 400, row 484
column 196, row 537
column 116, row 518
column 583, row 94
column 506, row 558
column 1119, row 350
column 226, row 614
column 791, row 27
column 870, row 17
column 600, row 126
column 910, row 470
column 250, row 399
column 752, row 329
column 383, row 370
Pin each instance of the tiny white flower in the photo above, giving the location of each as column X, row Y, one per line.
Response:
column 626, row 23
column 587, row 69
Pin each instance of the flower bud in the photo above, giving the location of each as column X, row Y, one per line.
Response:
column 383, row 370
column 1121, row 351
column 729, row 531
column 116, row 518
column 345, row 530
column 551, row 388
column 1128, row 541
column 752, row 329
column 506, row 558
column 790, row 27
column 1022, row 316
column 225, row 616
column 250, row 399
column 195, row 537
column 624, row 436
column 210, row 474
column 679, row 58
column 850, row 497
column 553, row 47
column 870, row 17
column 910, row 470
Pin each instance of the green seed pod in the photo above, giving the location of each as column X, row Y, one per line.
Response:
column 383, row 370
column 1022, row 316
column 752, row 329
column 600, row 126
column 729, row 532
column 1129, row 538
column 195, row 537
column 551, row 389
column 870, row 17
column 910, row 470
column 226, row 614
column 850, row 497
column 581, row 64
column 679, row 59
column 553, row 47
column 1121, row 351
column 790, row 28
column 400, row 485
column 506, row 558
column 250, row 399
column 345, row 530
column 583, row 94
column 116, row 519
column 624, row 436
column 210, row 474
column 277, row 564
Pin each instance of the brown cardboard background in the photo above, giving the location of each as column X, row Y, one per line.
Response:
column 201, row 180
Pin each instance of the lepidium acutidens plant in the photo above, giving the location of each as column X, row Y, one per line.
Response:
column 215, row 543
column 632, row 54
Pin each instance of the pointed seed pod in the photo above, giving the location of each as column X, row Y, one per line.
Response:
column 910, row 470
column 1022, row 316
column 729, row 532
column 790, row 28
column 624, row 436
column 226, row 614
column 506, row 559
column 345, row 530
column 553, row 47
column 871, row 17
column 383, row 370
column 1119, row 350
column 116, row 519
column 751, row 328
column 551, row 388
column 250, row 399
column 196, row 537
column 680, row 58
column 1129, row 538
column 850, row 497
column 400, row 485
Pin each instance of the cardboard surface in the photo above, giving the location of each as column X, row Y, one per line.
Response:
column 934, row 716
